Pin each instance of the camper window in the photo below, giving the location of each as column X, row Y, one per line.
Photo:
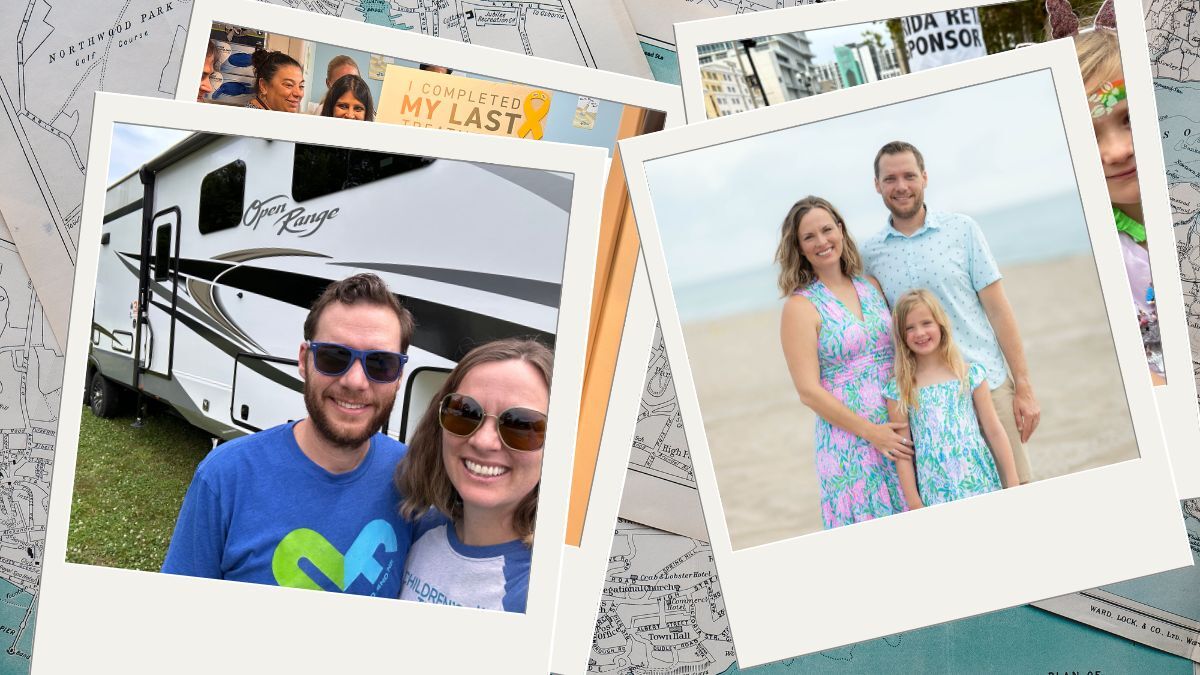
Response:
column 222, row 194
column 318, row 171
column 162, row 252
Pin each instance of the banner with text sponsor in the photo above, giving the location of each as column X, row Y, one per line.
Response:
column 442, row 101
column 938, row 38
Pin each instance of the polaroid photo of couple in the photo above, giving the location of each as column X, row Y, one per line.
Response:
column 205, row 275
column 418, row 80
column 905, row 351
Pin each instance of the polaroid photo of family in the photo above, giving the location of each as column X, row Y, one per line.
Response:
column 249, row 273
column 739, row 64
column 283, row 61
column 857, row 281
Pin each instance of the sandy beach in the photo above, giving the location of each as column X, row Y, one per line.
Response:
column 762, row 437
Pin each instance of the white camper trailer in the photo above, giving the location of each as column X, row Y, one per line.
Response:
column 212, row 253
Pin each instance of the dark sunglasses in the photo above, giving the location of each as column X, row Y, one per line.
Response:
column 332, row 359
column 519, row 428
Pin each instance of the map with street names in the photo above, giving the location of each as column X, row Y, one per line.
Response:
column 1173, row 33
column 31, row 369
column 583, row 32
column 60, row 57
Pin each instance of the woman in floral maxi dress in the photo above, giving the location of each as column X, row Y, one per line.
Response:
column 836, row 337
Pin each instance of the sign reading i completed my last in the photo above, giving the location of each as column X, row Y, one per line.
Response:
column 440, row 101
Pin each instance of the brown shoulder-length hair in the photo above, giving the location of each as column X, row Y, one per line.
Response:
column 421, row 476
column 795, row 272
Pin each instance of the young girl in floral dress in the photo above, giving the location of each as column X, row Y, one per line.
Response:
column 947, row 405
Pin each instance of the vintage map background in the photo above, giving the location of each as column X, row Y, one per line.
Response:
column 662, row 610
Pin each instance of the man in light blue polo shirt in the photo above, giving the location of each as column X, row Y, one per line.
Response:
column 947, row 254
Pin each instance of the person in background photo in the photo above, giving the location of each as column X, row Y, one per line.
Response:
column 946, row 404
column 430, row 68
column 278, row 82
column 471, row 479
column 206, row 73
column 1099, row 55
column 835, row 331
column 349, row 98
column 337, row 68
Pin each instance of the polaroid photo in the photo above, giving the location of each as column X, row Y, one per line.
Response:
column 778, row 397
column 577, row 622
column 418, row 80
column 741, row 63
column 198, row 269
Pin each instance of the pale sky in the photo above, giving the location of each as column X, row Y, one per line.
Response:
column 825, row 39
column 133, row 146
column 986, row 146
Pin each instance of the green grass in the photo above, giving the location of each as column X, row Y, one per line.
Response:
column 129, row 484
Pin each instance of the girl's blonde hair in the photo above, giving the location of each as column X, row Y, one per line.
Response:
column 421, row 476
column 906, row 360
column 1099, row 54
column 795, row 272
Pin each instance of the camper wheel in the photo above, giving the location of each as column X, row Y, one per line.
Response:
column 103, row 396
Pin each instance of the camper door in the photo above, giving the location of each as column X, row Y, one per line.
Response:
column 158, row 333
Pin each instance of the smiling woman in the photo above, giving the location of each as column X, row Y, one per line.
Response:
column 836, row 337
column 473, row 483
column 278, row 82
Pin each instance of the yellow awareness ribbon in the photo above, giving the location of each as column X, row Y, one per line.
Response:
column 534, row 115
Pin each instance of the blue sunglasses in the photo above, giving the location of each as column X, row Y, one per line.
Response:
column 333, row 359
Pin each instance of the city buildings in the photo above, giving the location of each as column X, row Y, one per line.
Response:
column 777, row 67
column 725, row 89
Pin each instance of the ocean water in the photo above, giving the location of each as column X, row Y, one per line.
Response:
column 1038, row 231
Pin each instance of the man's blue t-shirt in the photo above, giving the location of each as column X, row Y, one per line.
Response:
column 259, row 510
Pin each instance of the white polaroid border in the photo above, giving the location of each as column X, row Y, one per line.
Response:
column 579, row 596
column 1177, row 400
column 583, row 566
column 997, row 550
column 96, row 618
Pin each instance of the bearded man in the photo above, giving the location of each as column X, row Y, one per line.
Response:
column 948, row 254
column 311, row 504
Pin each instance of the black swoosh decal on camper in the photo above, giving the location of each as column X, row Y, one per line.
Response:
column 441, row 329
column 220, row 342
column 214, row 318
column 201, row 269
column 438, row 325
column 202, row 294
column 530, row 290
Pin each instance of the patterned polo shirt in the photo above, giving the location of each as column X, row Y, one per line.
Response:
column 949, row 256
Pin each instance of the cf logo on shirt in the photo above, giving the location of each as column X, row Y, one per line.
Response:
column 342, row 570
